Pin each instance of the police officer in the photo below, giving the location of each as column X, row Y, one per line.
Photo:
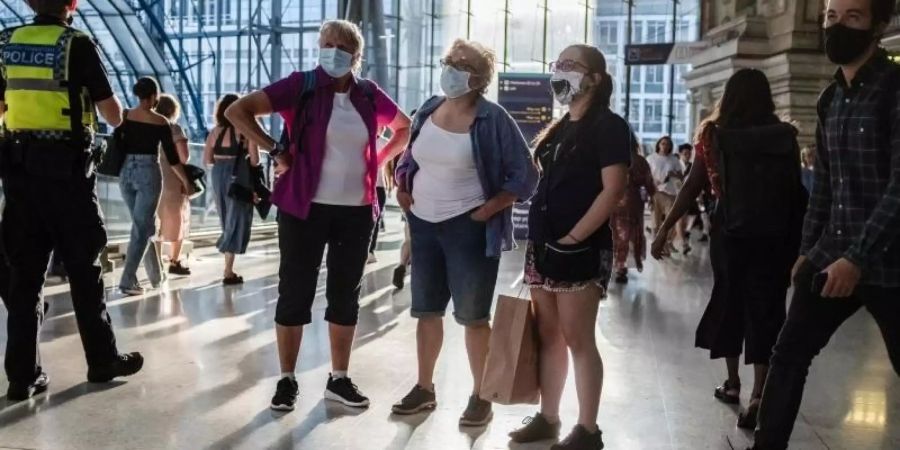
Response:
column 52, row 83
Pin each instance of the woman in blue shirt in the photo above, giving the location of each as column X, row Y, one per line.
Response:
column 467, row 163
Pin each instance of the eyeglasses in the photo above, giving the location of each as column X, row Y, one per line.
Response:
column 566, row 65
column 458, row 65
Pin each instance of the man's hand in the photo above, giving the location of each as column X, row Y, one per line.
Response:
column 660, row 247
column 405, row 200
column 480, row 215
column 843, row 276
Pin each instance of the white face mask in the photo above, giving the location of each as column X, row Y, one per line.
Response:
column 455, row 82
column 335, row 61
column 566, row 85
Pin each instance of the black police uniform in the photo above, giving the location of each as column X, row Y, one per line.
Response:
column 51, row 205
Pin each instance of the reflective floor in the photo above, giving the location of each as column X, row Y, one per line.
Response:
column 212, row 366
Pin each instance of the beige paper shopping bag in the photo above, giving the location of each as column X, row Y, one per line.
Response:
column 511, row 372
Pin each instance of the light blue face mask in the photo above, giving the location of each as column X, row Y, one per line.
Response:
column 455, row 82
column 335, row 61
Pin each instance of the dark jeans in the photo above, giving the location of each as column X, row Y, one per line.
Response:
column 43, row 216
column 346, row 230
column 810, row 323
column 382, row 197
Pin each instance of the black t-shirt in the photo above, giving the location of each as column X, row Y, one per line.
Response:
column 572, row 160
column 141, row 138
column 85, row 67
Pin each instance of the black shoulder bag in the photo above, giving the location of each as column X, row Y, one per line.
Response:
column 114, row 156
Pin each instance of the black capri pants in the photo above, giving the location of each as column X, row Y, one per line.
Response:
column 346, row 230
column 747, row 307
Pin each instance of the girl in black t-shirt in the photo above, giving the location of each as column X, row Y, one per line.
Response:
column 584, row 159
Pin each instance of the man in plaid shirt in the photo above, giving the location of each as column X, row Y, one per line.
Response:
column 850, row 255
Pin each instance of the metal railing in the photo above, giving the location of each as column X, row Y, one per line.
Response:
column 204, row 215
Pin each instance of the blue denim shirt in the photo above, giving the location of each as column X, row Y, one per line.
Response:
column 502, row 158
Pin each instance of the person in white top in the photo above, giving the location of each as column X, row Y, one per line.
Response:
column 668, row 175
column 466, row 166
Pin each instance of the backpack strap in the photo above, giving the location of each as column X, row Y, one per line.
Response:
column 368, row 88
column 306, row 93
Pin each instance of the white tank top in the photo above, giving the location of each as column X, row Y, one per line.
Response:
column 447, row 183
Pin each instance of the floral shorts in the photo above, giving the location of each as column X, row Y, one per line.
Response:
column 534, row 279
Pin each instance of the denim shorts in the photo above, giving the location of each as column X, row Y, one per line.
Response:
column 448, row 261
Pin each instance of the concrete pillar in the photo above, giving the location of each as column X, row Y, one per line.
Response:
column 782, row 38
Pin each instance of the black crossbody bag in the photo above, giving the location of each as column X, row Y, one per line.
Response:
column 560, row 262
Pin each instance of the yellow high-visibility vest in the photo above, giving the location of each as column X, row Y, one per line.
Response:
column 34, row 60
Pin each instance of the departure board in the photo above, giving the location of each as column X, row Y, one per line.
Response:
column 529, row 100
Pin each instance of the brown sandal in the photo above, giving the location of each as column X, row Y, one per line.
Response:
column 722, row 394
column 747, row 419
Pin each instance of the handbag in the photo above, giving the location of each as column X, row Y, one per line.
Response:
column 258, row 193
column 561, row 262
column 197, row 178
column 114, row 157
column 511, row 368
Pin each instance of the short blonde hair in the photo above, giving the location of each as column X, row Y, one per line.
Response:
column 349, row 34
column 168, row 106
column 484, row 64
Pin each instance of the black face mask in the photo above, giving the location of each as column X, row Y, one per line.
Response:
column 844, row 45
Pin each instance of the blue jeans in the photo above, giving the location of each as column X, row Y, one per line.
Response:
column 141, row 183
column 448, row 260
column 235, row 216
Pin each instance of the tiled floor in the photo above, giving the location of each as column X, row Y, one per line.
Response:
column 211, row 369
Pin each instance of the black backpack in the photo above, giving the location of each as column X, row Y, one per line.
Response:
column 760, row 179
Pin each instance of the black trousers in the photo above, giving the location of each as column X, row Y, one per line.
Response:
column 346, row 231
column 43, row 215
column 747, row 307
column 4, row 270
column 811, row 322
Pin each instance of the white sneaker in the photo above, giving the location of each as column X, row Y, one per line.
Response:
column 133, row 290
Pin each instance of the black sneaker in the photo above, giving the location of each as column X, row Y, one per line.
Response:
column 581, row 439
column 126, row 364
column 177, row 269
column 419, row 399
column 399, row 276
column 18, row 392
column 342, row 390
column 622, row 277
column 478, row 413
column 536, row 428
column 286, row 394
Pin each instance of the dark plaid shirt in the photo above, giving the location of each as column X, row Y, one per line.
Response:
column 854, row 208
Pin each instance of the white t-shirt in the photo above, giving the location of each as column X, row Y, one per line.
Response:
column 447, row 183
column 660, row 166
column 344, row 166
